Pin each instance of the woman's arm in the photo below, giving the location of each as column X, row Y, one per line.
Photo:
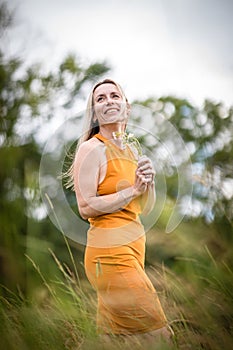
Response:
column 87, row 165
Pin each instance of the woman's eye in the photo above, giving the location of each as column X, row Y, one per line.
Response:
column 116, row 96
column 99, row 99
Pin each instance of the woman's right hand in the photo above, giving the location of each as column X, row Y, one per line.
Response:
column 140, row 184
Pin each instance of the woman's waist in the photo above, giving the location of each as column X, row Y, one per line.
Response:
column 125, row 255
column 108, row 233
column 114, row 220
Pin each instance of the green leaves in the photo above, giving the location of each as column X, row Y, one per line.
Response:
column 96, row 70
column 207, row 132
column 31, row 99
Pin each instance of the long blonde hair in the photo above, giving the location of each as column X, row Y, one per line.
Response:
column 90, row 128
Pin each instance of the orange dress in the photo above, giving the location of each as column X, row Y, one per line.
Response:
column 114, row 256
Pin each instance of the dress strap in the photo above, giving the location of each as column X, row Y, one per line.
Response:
column 100, row 137
column 109, row 143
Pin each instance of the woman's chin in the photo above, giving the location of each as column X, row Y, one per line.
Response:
column 115, row 120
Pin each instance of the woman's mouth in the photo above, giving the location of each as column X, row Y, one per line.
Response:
column 111, row 110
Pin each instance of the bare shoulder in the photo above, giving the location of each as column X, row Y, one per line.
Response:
column 92, row 147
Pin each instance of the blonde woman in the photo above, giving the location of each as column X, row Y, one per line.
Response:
column 113, row 186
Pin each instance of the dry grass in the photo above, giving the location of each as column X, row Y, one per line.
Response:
column 60, row 315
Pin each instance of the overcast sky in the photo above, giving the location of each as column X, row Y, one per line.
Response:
column 160, row 47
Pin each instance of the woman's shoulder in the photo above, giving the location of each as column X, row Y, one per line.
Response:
column 92, row 144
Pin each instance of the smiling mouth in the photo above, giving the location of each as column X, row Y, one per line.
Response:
column 110, row 110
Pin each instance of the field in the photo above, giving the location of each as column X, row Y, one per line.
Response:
column 190, row 268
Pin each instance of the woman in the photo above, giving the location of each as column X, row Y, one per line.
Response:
column 112, row 187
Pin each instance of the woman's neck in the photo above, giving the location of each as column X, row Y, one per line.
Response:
column 112, row 131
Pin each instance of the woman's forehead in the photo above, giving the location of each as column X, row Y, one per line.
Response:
column 105, row 88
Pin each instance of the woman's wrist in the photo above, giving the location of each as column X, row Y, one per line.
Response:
column 129, row 193
column 135, row 192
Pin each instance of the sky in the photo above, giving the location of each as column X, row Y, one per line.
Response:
column 155, row 48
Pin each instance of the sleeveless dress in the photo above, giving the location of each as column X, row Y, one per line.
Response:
column 115, row 253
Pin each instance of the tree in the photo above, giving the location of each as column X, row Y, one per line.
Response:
column 29, row 99
column 207, row 133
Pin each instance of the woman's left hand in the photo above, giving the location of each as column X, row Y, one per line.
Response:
column 145, row 168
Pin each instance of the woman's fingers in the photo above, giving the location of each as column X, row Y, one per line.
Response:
column 145, row 164
column 144, row 160
column 140, row 183
column 145, row 174
column 145, row 167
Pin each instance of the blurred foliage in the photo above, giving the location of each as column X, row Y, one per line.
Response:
column 28, row 99
column 6, row 18
column 193, row 271
column 207, row 133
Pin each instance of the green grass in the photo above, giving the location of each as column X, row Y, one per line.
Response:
column 198, row 305
column 195, row 289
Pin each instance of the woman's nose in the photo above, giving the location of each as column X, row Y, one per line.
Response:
column 109, row 100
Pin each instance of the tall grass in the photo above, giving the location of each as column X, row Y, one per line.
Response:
column 61, row 319
column 198, row 304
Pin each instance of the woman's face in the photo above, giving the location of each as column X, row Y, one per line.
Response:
column 109, row 105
